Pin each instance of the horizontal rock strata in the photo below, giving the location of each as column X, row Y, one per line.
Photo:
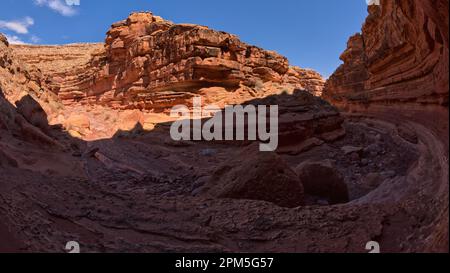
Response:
column 150, row 63
column 400, row 57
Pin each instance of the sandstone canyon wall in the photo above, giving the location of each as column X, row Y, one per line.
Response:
column 150, row 63
column 386, row 167
column 399, row 59
column 24, row 97
column 397, row 69
column 147, row 65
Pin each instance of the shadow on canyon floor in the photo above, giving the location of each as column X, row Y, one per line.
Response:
column 142, row 192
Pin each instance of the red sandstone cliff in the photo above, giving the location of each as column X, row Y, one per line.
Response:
column 400, row 57
column 204, row 199
column 150, row 63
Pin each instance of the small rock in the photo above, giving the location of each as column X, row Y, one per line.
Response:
column 389, row 174
column 196, row 191
column 200, row 182
column 354, row 157
column 364, row 162
column 208, row 152
column 351, row 149
column 407, row 134
column 373, row 150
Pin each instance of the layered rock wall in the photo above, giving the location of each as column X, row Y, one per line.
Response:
column 397, row 70
column 55, row 59
column 401, row 57
column 150, row 63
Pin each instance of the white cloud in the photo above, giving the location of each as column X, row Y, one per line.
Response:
column 58, row 6
column 73, row 2
column 373, row 2
column 19, row 26
column 35, row 39
column 14, row 40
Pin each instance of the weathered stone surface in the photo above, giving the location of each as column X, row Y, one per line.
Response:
column 347, row 150
column 6, row 160
column 400, row 57
column 305, row 79
column 397, row 70
column 78, row 123
column 55, row 59
column 407, row 133
column 303, row 117
column 153, row 64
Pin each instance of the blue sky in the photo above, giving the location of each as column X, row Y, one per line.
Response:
column 311, row 33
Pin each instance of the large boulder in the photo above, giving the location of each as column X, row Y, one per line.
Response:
column 257, row 175
column 33, row 112
column 322, row 179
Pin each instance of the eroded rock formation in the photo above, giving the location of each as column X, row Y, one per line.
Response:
column 56, row 59
column 24, row 98
column 401, row 57
column 106, row 173
column 150, row 63
column 397, row 70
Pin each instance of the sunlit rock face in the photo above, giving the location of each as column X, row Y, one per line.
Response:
column 150, row 63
